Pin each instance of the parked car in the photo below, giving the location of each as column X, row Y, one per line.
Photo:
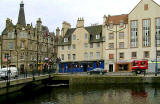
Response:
column 97, row 71
column 10, row 72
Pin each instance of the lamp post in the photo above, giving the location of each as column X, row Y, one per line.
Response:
column 58, row 60
column 156, row 54
column 116, row 31
column 8, row 70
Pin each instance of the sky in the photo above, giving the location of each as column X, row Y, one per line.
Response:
column 54, row 12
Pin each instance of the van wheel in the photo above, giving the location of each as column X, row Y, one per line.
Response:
column 138, row 71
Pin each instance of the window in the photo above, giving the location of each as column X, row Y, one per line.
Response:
column 134, row 31
column 98, row 36
column 86, row 36
column 158, row 53
column 73, row 46
column 158, row 31
column 134, row 54
column 121, row 55
column 111, row 45
column 74, row 37
column 146, row 33
column 62, row 47
column 98, row 55
column 86, row 56
column 91, row 45
column 98, row 45
column 111, row 36
column 23, row 34
column 6, row 55
column 69, row 47
column 146, row 7
column 91, row 55
column 69, row 56
column 121, row 35
column 86, row 45
column 22, row 44
column 10, row 45
column 65, row 39
column 111, row 56
column 22, row 56
column 11, row 35
column 74, row 56
column 62, row 56
column 111, row 24
column 121, row 23
column 146, row 54
column 121, row 45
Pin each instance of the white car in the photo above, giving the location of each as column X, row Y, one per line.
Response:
column 10, row 72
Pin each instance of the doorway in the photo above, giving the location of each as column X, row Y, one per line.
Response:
column 22, row 69
column 85, row 67
column 110, row 67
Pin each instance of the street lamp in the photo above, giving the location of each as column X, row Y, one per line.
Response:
column 156, row 54
column 58, row 60
column 8, row 71
column 116, row 31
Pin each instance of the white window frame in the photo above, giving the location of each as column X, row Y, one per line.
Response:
column 134, row 33
column 158, row 31
column 74, row 37
column 91, row 55
column 85, row 56
column 85, row 36
column 65, row 39
column 98, row 55
column 11, row 35
column 85, row 45
column 146, row 32
column 10, row 45
column 73, row 46
column 98, row 36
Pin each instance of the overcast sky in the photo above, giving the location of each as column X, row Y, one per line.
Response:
column 54, row 12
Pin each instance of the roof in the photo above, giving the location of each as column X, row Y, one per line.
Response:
column 117, row 19
column 4, row 32
column 69, row 32
column 21, row 17
column 93, row 31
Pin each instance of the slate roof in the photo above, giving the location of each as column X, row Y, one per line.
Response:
column 93, row 31
column 4, row 31
column 116, row 19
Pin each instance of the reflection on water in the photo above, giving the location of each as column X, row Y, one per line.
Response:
column 90, row 94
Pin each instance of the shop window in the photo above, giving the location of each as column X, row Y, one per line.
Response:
column 97, row 64
column 91, row 65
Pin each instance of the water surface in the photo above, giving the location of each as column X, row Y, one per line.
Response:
column 90, row 94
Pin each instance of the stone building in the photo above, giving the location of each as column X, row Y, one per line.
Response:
column 80, row 48
column 132, row 36
column 28, row 47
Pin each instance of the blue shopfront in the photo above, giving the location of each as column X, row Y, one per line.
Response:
column 69, row 67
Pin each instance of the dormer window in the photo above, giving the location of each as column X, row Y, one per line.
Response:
column 111, row 24
column 98, row 36
column 121, row 23
column 65, row 39
column 23, row 28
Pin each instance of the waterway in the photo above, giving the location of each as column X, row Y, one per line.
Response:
column 90, row 94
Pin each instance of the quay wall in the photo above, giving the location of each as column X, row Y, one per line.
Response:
column 102, row 79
